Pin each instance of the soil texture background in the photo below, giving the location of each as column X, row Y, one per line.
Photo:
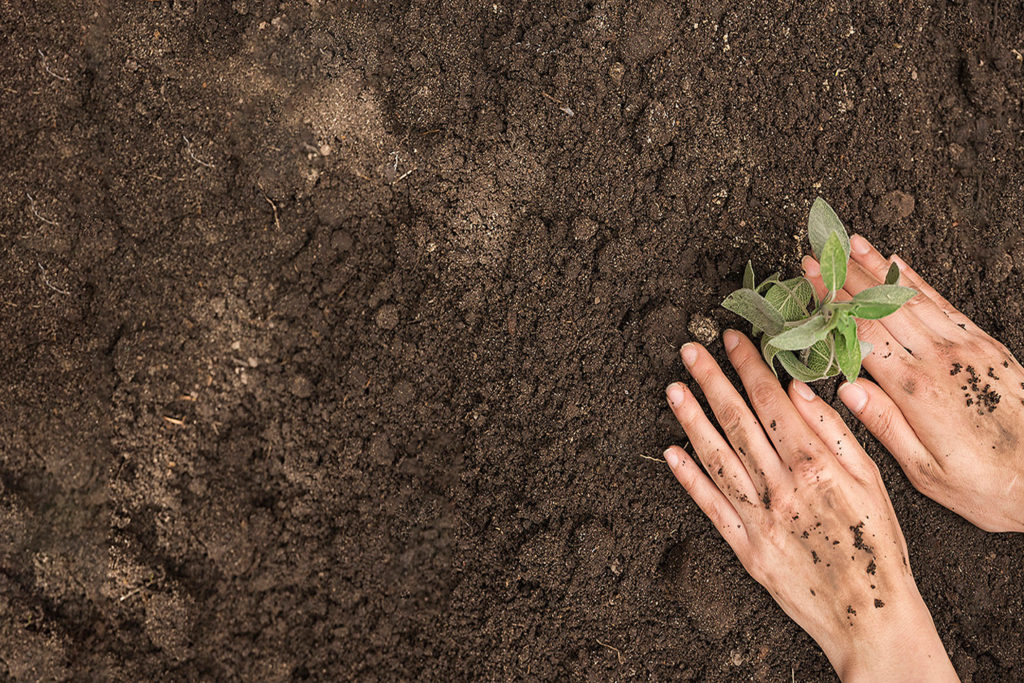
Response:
column 331, row 334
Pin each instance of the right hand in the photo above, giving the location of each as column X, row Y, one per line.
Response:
column 949, row 399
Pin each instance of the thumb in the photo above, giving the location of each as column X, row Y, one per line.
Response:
column 886, row 421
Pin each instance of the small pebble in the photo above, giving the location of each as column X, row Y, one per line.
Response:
column 703, row 328
column 387, row 317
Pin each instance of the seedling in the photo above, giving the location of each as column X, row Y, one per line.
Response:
column 816, row 338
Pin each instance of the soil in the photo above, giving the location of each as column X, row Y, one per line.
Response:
column 332, row 335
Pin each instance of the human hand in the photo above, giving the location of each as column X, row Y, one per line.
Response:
column 806, row 512
column 948, row 400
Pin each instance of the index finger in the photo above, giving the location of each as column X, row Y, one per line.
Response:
column 784, row 425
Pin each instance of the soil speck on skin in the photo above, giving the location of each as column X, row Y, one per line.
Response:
column 850, row 610
column 858, row 538
column 766, row 499
column 871, row 569
column 879, row 603
column 814, row 556
column 772, row 425
column 985, row 397
column 956, row 369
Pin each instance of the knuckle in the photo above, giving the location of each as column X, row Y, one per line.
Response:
column 764, row 393
column 732, row 417
column 924, row 476
column 869, row 329
column 811, row 468
column 884, row 424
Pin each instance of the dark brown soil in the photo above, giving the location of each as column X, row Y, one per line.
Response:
column 332, row 334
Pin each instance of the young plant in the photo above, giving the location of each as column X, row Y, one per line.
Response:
column 815, row 338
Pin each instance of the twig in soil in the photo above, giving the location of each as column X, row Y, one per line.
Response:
column 194, row 157
column 647, row 457
column 32, row 208
column 277, row 223
column 175, row 421
column 404, row 176
column 617, row 653
column 135, row 591
column 49, row 284
column 561, row 105
column 48, row 70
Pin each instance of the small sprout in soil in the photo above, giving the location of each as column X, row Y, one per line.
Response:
column 815, row 338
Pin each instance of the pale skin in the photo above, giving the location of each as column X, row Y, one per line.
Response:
column 806, row 512
column 949, row 399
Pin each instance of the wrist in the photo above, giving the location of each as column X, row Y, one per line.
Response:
column 901, row 645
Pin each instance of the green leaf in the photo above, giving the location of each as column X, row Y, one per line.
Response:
column 796, row 369
column 878, row 302
column 753, row 308
column 893, row 276
column 803, row 334
column 822, row 221
column 767, row 282
column 790, row 298
column 847, row 347
column 821, row 357
column 769, row 352
column 833, row 264
column 748, row 276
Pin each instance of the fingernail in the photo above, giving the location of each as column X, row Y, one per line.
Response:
column 676, row 394
column 859, row 245
column 671, row 458
column 810, row 266
column 730, row 338
column 689, row 354
column 802, row 390
column 854, row 396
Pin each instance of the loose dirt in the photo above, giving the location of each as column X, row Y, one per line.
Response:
column 332, row 334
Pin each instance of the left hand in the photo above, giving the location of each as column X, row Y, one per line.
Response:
column 805, row 510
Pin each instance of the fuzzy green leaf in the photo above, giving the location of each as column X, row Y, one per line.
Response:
column 767, row 282
column 893, row 276
column 847, row 347
column 833, row 264
column 753, row 308
column 821, row 357
column 803, row 335
column 878, row 302
column 822, row 221
column 796, row 369
column 790, row 298
column 769, row 352
column 748, row 276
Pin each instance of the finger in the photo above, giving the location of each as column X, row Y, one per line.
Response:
column 708, row 498
column 922, row 305
column 917, row 282
column 774, row 408
column 715, row 454
column 829, row 427
column 739, row 424
column 903, row 324
column 883, row 418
